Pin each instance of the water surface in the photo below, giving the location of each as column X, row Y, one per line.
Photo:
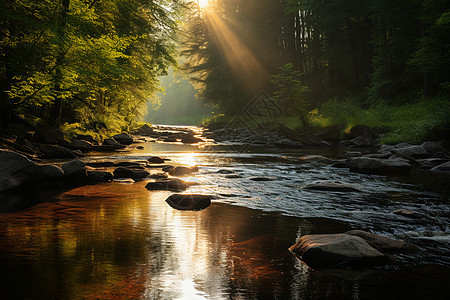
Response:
column 120, row 241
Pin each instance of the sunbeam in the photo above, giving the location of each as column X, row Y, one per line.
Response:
column 239, row 57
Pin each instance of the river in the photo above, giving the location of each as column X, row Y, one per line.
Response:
column 120, row 241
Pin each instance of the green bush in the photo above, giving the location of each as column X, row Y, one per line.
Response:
column 424, row 119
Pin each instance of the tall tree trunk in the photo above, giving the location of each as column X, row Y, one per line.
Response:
column 55, row 115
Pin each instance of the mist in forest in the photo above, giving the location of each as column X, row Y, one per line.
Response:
column 177, row 103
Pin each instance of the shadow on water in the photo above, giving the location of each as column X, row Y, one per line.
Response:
column 120, row 241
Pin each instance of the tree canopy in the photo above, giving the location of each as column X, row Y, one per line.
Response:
column 95, row 62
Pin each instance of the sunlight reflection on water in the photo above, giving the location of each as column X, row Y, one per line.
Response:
column 120, row 241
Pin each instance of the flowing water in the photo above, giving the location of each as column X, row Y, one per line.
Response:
column 120, row 241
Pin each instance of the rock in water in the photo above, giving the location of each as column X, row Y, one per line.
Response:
column 171, row 184
column 156, row 160
column 99, row 176
column 123, row 138
column 87, row 137
column 50, row 171
column 411, row 151
column 181, row 171
column 445, row 168
column 82, row 145
column 189, row 139
column 122, row 172
column 332, row 250
column 52, row 151
column 369, row 165
column 74, row 168
column 14, row 169
column 189, row 201
column 334, row 186
column 383, row 244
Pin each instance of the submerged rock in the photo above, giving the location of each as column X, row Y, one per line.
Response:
column 333, row 250
column 170, row 184
column 335, row 186
column 314, row 158
column 407, row 213
column 262, row 179
column 181, row 171
column 123, row 172
column 189, row 139
column 189, row 201
column 156, row 160
column 158, row 176
column 101, row 164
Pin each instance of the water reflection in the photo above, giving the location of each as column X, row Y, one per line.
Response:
column 120, row 241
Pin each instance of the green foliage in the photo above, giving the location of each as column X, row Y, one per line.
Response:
column 84, row 61
column 290, row 92
column 414, row 122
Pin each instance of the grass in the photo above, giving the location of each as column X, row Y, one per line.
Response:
column 416, row 122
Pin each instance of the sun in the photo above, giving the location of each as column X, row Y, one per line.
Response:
column 203, row 3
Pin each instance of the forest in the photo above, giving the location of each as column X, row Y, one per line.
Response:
column 92, row 65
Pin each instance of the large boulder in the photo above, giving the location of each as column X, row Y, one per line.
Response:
column 334, row 250
column 123, row 138
column 123, row 172
column 411, row 151
column 170, row 184
column 53, row 151
column 362, row 136
column 156, row 160
column 432, row 147
column 82, row 145
column 383, row 244
column 145, row 130
column 74, row 169
column 87, row 138
column 189, row 201
column 429, row 163
column 50, row 171
column 334, row 186
column 182, row 171
column 111, row 142
column 15, row 169
column 369, row 165
column 99, row 176
column 190, row 139
column 331, row 133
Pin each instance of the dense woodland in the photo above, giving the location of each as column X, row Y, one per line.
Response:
column 93, row 64
column 89, row 63
column 341, row 56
